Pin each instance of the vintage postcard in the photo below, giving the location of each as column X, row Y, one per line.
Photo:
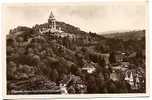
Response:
column 62, row 50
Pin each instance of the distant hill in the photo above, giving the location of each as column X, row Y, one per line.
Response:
column 126, row 35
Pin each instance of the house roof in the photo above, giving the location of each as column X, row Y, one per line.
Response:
column 132, row 55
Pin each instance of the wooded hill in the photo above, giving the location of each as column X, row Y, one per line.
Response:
column 129, row 35
column 51, row 61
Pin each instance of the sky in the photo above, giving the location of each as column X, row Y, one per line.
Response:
column 95, row 17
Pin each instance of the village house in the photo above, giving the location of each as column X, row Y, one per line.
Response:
column 120, row 56
column 89, row 67
column 133, row 78
column 114, row 76
column 125, row 64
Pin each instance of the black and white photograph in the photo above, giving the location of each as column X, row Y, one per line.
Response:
column 75, row 48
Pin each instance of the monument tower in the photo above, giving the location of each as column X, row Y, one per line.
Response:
column 52, row 22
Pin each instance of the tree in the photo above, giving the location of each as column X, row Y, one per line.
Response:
column 100, row 82
column 71, row 90
column 91, row 84
column 54, row 75
column 112, row 58
column 11, row 69
column 111, row 87
column 73, row 69
column 10, row 50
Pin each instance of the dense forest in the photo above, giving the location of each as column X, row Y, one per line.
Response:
column 83, row 64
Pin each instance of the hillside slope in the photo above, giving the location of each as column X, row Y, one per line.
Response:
column 45, row 62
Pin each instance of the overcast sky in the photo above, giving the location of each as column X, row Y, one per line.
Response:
column 95, row 17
